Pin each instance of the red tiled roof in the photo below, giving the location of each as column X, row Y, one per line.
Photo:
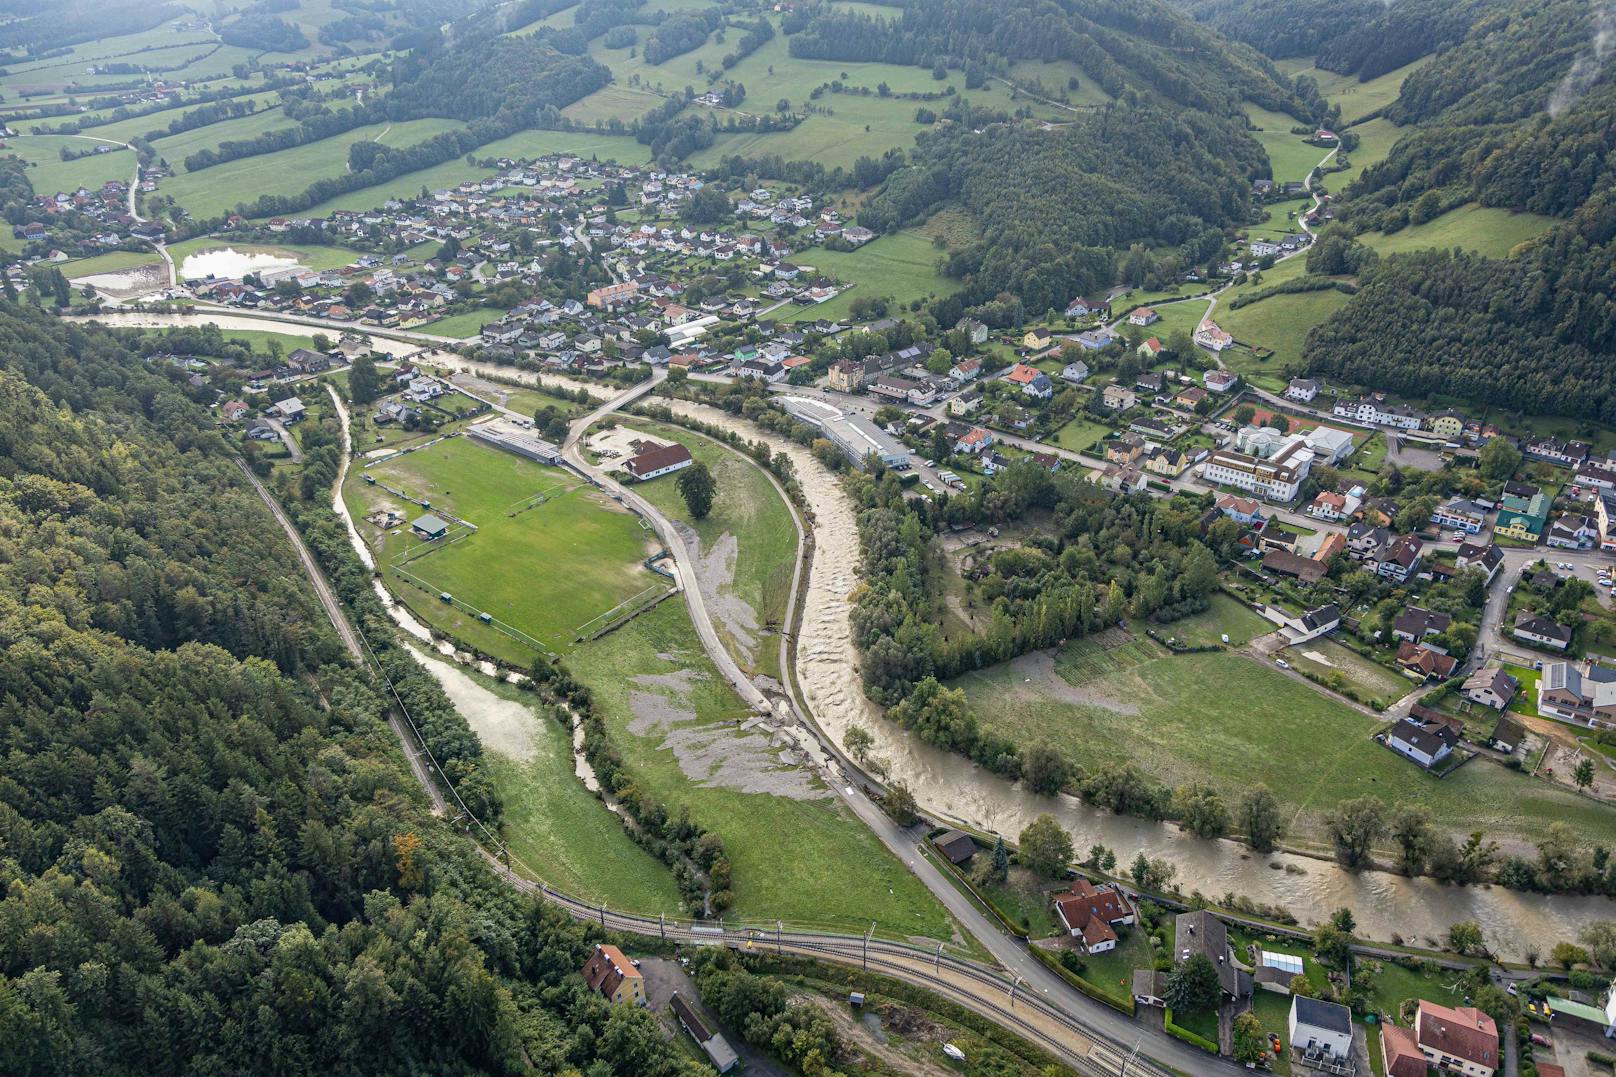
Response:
column 1399, row 1052
column 1465, row 1033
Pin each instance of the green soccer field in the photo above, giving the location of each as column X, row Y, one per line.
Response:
column 546, row 570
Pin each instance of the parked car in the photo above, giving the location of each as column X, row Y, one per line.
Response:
column 1281, row 663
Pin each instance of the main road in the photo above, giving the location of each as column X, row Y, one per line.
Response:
column 1107, row 1031
column 1030, row 1001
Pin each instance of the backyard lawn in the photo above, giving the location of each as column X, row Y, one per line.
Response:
column 1349, row 672
column 1080, row 434
column 1135, row 702
column 1224, row 616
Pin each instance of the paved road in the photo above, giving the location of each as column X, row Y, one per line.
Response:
column 134, row 190
column 1080, row 1014
column 1032, row 1002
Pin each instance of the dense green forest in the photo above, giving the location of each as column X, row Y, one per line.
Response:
column 1054, row 205
column 1533, row 332
column 1118, row 43
column 212, row 855
column 1282, row 28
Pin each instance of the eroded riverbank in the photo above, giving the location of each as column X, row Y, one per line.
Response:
column 947, row 785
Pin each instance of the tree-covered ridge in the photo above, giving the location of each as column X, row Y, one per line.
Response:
column 1403, row 32
column 508, row 82
column 1533, row 332
column 1528, row 334
column 1283, row 28
column 1119, row 43
column 210, row 862
column 1054, row 205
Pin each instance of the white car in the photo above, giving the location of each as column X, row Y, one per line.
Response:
column 1281, row 663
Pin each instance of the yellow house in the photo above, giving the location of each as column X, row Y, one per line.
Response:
column 614, row 976
column 1036, row 338
column 1169, row 462
column 1448, row 425
column 846, row 376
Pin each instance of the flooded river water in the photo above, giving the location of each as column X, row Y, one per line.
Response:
column 952, row 787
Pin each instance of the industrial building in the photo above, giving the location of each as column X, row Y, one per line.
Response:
column 514, row 439
column 855, row 435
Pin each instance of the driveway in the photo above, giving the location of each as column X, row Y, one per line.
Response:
column 663, row 977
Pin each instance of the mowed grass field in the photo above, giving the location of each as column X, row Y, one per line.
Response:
column 1483, row 229
column 111, row 262
column 464, row 325
column 1279, row 323
column 216, row 191
column 1357, row 99
column 546, row 570
column 175, row 148
column 807, row 860
column 49, row 173
column 902, row 265
column 1139, row 704
column 750, row 513
column 1288, row 156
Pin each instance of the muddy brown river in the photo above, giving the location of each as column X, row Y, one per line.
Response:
column 952, row 787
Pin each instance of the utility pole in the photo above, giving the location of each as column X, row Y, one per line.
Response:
column 778, row 927
column 867, row 935
column 603, row 915
column 1126, row 1062
column 937, row 965
column 662, row 925
column 1013, row 987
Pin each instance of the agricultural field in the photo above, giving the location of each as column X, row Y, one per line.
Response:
column 1133, row 701
column 49, row 173
column 746, row 547
column 1288, row 156
column 1376, row 138
column 1357, row 99
column 1279, row 323
column 175, row 148
column 543, row 568
column 612, row 102
column 139, row 126
column 797, row 853
column 218, row 190
column 1484, row 229
column 902, row 266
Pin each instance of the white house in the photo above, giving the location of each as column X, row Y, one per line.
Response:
column 1219, row 381
column 1075, row 372
column 1460, row 515
column 1321, row 1030
column 1212, row 338
column 1302, row 390
column 1425, row 746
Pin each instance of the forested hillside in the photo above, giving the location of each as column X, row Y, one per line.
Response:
column 207, row 863
column 1119, row 43
column 1534, row 332
column 1281, row 28
column 1055, row 205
